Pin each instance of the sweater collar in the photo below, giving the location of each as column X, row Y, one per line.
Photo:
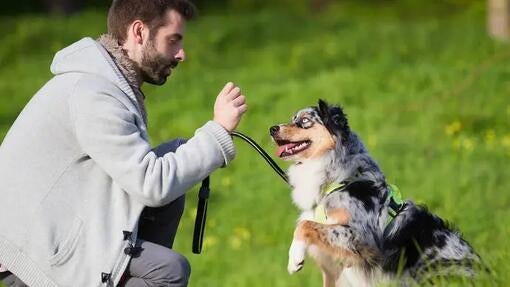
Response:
column 127, row 67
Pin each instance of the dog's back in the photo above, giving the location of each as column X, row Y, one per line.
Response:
column 423, row 246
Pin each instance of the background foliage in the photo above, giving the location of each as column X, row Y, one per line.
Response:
column 422, row 84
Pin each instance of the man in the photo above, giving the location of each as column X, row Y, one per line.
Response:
column 77, row 169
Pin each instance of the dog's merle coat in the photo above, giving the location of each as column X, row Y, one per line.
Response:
column 357, row 246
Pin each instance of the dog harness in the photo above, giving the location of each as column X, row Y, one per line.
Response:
column 395, row 204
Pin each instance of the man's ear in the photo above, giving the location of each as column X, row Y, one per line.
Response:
column 137, row 31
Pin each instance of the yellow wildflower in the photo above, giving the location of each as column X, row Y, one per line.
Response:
column 235, row 242
column 226, row 181
column 211, row 223
column 490, row 138
column 468, row 144
column 242, row 233
column 505, row 141
column 209, row 241
column 453, row 128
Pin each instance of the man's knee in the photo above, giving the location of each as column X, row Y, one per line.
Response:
column 176, row 270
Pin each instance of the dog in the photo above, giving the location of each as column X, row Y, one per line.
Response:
column 352, row 222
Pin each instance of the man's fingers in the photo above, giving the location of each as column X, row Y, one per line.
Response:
column 229, row 107
column 239, row 101
column 227, row 88
column 234, row 93
column 242, row 109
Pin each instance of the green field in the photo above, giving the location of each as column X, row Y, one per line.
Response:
column 426, row 89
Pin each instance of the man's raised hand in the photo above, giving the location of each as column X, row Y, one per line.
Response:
column 229, row 107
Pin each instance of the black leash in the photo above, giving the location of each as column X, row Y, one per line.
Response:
column 203, row 194
column 268, row 159
column 198, row 233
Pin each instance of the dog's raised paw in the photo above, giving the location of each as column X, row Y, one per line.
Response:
column 297, row 253
column 293, row 268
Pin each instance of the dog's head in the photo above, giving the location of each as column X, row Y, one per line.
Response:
column 312, row 132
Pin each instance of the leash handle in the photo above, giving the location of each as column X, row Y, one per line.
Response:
column 198, row 233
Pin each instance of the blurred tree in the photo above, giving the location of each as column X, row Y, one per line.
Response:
column 63, row 6
column 319, row 5
column 499, row 19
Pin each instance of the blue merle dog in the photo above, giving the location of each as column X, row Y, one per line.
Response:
column 352, row 222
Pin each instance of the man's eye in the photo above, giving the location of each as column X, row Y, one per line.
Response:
column 174, row 40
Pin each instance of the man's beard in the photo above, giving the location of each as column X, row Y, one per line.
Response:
column 154, row 67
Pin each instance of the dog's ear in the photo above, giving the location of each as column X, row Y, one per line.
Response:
column 339, row 118
column 334, row 119
column 323, row 109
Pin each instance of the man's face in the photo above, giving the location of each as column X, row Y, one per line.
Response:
column 163, row 51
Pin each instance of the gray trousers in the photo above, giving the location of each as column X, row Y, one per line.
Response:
column 156, row 264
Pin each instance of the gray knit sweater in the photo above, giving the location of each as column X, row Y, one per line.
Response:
column 77, row 169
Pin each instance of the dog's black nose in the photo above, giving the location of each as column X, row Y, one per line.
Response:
column 273, row 130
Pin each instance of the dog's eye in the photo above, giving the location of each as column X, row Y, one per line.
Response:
column 305, row 123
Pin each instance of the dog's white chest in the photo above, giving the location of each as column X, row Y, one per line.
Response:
column 306, row 179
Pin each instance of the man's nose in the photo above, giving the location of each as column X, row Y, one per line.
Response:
column 181, row 55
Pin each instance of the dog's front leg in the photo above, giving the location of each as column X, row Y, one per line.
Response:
column 340, row 241
column 298, row 247
column 297, row 252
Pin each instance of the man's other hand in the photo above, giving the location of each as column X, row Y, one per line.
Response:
column 229, row 107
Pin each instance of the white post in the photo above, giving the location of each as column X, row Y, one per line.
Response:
column 499, row 19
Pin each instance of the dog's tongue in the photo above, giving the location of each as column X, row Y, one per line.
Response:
column 282, row 148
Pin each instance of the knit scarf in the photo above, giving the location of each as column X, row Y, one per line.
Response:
column 127, row 66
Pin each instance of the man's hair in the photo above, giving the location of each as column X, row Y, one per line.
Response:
column 151, row 12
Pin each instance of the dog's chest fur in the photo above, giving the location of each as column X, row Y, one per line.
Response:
column 308, row 177
column 307, row 180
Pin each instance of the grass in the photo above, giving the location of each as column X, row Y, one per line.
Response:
column 427, row 91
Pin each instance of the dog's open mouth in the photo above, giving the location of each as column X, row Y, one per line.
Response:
column 287, row 148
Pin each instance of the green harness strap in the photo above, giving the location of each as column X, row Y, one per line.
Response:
column 395, row 202
column 320, row 215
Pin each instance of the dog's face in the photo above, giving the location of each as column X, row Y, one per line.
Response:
column 311, row 133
